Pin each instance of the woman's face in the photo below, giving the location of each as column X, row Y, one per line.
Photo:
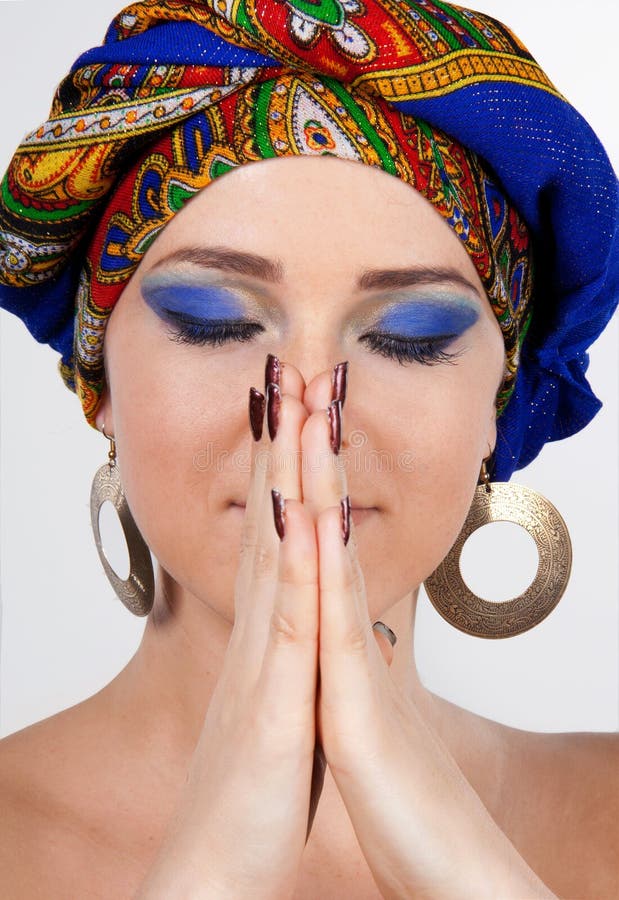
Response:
column 414, row 434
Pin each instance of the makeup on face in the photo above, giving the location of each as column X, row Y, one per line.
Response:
column 191, row 297
column 430, row 315
column 432, row 312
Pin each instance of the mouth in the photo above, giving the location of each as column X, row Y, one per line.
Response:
column 358, row 513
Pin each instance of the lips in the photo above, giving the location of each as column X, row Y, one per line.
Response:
column 352, row 507
column 357, row 513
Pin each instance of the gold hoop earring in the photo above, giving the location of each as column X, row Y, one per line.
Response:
column 138, row 591
column 505, row 502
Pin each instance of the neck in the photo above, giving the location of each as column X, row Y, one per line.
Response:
column 165, row 689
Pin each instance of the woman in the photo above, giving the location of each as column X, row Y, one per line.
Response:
column 237, row 651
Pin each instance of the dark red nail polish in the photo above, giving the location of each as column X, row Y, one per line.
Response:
column 272, row 371
column 334, row 412
column 257, row 405
column 338, row 382
column 274, row 402
column 279, row 509
column 345, row 514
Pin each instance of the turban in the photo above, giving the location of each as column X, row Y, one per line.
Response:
column 446, row 99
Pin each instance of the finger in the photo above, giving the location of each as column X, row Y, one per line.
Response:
column 287, row 682
column 384, row 636
column 348, row 650
column 287, row 415
column 327, row 386
column 324, row 480
column 257, row 480
column 286, row 687
column 290, row 378
column 324, row 477
column 283, row 421
column 291, row 381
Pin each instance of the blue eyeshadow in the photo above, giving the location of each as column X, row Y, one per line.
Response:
column 434, row 318
column 190, row 298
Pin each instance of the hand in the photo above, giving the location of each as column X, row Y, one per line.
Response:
column 241, row 825
column 421, row 826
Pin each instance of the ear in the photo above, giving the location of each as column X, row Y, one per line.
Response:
column 105, row 416
column 491, row 434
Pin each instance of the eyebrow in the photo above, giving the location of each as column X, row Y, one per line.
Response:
column 228, row 260
column 272, row 270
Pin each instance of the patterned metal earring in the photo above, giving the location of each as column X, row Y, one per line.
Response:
column 138, row 591
column 505, row 502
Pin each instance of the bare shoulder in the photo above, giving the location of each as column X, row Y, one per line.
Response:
column 54, row 834
column 27, row 760
column 30, row 819
column 562, row 810
column 75, row 810
column 34, row 759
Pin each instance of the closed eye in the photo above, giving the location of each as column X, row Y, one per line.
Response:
column 185, row 330
column 427, row 351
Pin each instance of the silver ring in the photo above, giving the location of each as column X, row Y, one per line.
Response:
column 380, row 626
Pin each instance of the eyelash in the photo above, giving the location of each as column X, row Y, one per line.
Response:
column 189, row 332
column 427, row 351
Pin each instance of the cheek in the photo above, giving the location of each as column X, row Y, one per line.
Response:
column 174, row 456
column 453, row 440
column 444, row 438
column 450, row 454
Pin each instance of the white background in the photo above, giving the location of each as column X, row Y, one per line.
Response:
column 63, row 632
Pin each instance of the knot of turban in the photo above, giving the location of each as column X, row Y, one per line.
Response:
column 446, row 99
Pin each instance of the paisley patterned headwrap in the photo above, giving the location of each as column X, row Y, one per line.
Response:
column 445, row 99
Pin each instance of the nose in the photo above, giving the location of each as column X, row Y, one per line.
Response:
column 326, row 386
column 315, row 359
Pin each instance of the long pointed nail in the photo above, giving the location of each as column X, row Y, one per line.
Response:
column 338, row 382
column 334, row 413
column 272, row 370
column 274, row 402
column 345, row 518
column 279, row 509
column 257, row 405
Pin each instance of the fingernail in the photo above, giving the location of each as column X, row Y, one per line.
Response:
column 380, row 626
column 338, row 382
column 279, row 508
column 345, row 516
column 256, row 412
column 274, row 402
column 272, row 370
column 334, row 413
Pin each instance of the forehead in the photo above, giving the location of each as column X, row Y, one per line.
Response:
column 322, row 212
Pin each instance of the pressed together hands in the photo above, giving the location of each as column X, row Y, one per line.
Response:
column 305, row 682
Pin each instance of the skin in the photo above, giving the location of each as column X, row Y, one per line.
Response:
column 109, row 771
column 166, row 400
